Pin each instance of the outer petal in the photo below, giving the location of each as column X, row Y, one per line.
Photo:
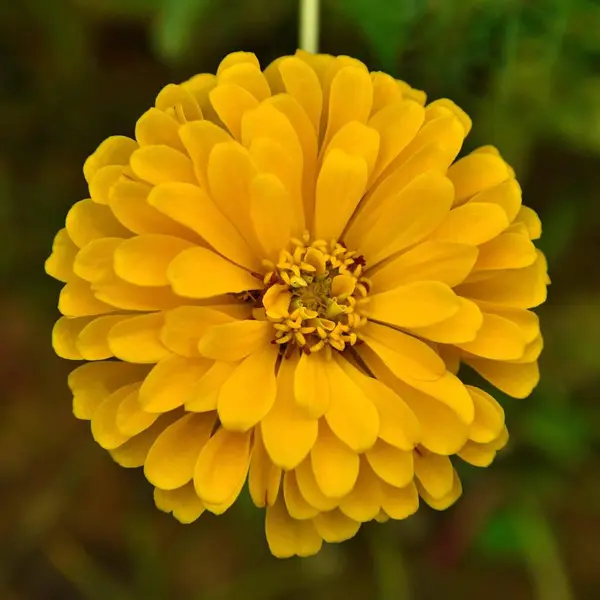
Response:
column 288, row 537
column 249, row 393
column 172, row 458
column 288, row 432
column 222, row 467
column 200, row 273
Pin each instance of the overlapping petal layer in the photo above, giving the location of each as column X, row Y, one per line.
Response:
column 276, row 282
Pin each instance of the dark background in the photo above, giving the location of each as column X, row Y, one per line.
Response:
column 74, row 525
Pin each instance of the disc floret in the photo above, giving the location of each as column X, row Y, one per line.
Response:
column 312, row 295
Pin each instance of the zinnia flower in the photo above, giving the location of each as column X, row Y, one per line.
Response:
column 276, row 282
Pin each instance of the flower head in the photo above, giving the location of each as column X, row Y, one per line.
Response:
column 276, row 281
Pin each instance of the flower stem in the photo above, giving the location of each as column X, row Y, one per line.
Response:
column 309, row 25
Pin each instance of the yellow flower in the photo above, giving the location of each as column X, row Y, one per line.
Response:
column 276, row 282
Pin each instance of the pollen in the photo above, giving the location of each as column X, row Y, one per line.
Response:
column 313, row 296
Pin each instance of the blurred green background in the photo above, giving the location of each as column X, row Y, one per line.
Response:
column 74, row 525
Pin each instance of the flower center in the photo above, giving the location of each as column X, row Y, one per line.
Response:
column 313, row 294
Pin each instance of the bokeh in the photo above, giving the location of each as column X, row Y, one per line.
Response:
column 74, row 525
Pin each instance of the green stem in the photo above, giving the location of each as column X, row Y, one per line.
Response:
column 309, row 25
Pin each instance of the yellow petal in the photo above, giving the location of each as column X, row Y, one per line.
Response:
column 403, row 354
column 183, row 502
column 473, row 223
column 191, row 206
column 276, row 301
column 264, row 477
column 237, row 58
column 103, row 181
column 397, row 125
column 132, row 419
column 356, row 139
column 478, row 455
column 248, row 76
column 199, row 87
column 128, row 296
column 288, row 432
column 335, row 526
column 297, row 506
column 94, row 382
column 176, row 96
column 200, row 273
column 172, row 458
column 115, row 150
column 498, row 339
column 435, row 473
column 449, row 390
column 335, row 465
column 399, row 503
column 529, row 217
column 159, row 164
column 222, row 466
column 528, row 322
column 271, row 214
column 461, row 327
column 249, row 393
column 184, row 327
column 385, row 91
column 507, row 195
column 384, row 238
column 519, row 288
column 88, row 221
column 442, row 431
column 458, row 112
column 143, row 260
column 305, row 194
column 350, row 99
column 311, row 390
column 364, row 501
column 489, row 417
column 77, row 299
column 129, row 201
column 309, row 488
column 60, row 263
column 301, row 83
column 170, row 383
column 398, row 426
column 133, row 452
column 271, row 158
column 235, row 340
column 199, row 138
column 445, row 501
column 507, row 251
column 92, row 341
column 351, row 416
column 104, row 420
column 445, row 262
column 289, row 537
column 230, row 102
column 137, row 339
column 433, row 149
column 516, row 380
column 340, row 186
column 157, row 128
column 392, row 465
column 95, row 262
column 477, row 172
column 416, row 304
column 64, row 336
column 267, row 122
column 232, row 194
